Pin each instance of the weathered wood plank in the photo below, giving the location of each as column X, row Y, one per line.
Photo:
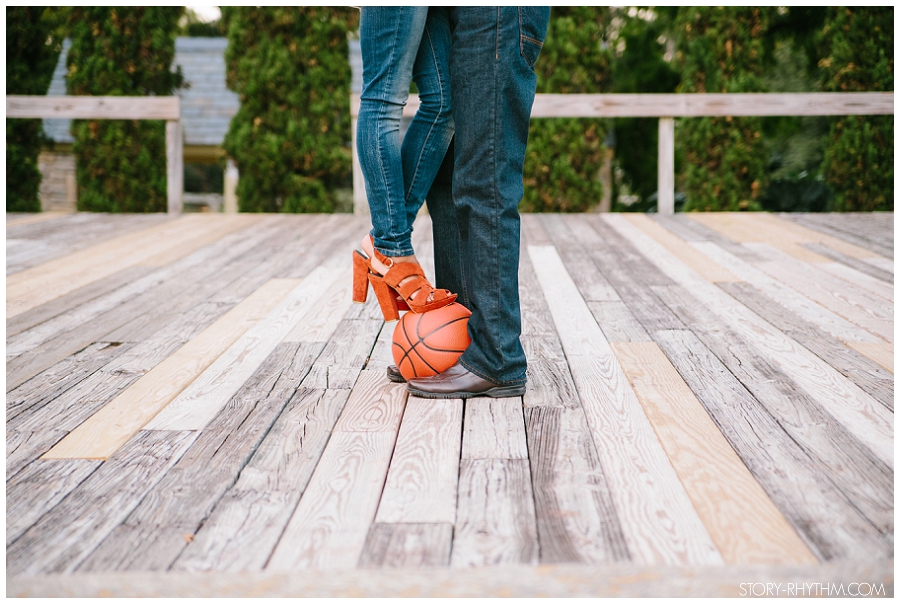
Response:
column 820, row 513
column 329, row 527
column 795, row 301
column 872, row 313
column 691, row 230
column 743, row 522
column 833, row 228
column 658, row 519
column 375, row 404
column 880, row 352
column 407, row 545
column 162, row 289
column 549, row 380
column 195, row 407
column 495, row 521
column 593, row 285
column 35, row 286
column 854, row 263
column 858, row 368
column 576, row 516
column 32, row 493
column 53, row 382
column 422, row 479
column 860, row 414
column 248, row 520
column 122, row 417
column 857, row 279
column 152, row 536
column 494, row 429
column 66, row 535
column 94, row 107
column 346, row 352
column 51, row 309
column 617, row 322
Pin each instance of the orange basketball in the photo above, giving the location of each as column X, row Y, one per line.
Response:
column 428, row 343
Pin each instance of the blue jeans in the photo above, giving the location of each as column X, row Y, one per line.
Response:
column 475, row 197
column 399, row 45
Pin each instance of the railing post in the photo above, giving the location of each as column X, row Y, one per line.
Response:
column 666, row 169
column 174, row 166
column 230, row 187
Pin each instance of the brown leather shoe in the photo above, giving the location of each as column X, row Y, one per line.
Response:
column 459, row 382
column 394, row 374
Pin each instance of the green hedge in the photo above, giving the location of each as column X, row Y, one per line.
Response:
column 32, row 48
column 721, row 50
column 857, row 55
column 565, row 155
column 291, row 136
column 122, row 51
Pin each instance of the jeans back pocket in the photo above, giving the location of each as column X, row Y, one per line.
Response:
column 533, row 22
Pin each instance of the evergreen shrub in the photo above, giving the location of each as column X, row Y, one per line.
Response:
column 858, row 55
column 720, row 49
column 564, row 155
column 32, row 49
column 122, row 51
column 291, row 136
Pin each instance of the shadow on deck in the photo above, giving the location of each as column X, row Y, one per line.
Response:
column 194, row 407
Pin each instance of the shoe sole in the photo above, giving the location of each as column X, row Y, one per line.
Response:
column 496, row 392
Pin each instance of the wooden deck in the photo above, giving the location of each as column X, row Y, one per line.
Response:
column 194, row 407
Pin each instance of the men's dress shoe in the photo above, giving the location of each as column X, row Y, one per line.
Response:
column 394, row 374
column 459, row 382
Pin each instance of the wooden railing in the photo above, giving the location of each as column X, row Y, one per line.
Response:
column 669, row 106
column 166, row 108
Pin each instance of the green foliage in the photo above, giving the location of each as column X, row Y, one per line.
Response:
column 122, row 51
column 857, row 55
column 32, row 48
column 641, row 68
column 720, row 49
column 290, row 137
column 564, row 155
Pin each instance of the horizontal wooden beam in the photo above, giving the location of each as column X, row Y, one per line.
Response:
column 696, row 104
column 94, row 107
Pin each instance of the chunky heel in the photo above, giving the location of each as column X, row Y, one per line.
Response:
column 360, row 277
column 387, row 299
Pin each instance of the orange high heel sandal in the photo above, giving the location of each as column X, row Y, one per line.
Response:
column 416, row 294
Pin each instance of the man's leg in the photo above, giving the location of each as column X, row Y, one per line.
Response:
column 493, row 84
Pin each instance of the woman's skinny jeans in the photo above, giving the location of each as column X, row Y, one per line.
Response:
column 400, row 44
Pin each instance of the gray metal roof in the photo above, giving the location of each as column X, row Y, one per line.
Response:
column 206, row 107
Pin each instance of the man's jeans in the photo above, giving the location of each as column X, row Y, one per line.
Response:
column 476, row 229
column 397, row 44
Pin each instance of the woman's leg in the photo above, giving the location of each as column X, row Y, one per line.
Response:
column 389, row 42
column 431, row 130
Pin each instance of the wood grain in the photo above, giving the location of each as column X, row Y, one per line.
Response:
column 407, row 545
column 861, row 370
column 422, row 479
column 880, row 352
column 152, row 536
column 33, row 492
column 576, row 516
column 247, row 522
column 94, row 107
column 742, row 521
column 859, row 413
column 658, row 519
column 375, row 405
column 860, row 266
column 494, row 429
column 110, row 428
column 195, row 407
column 329, row 527
column 495, row 521
column 829, row 524
column 65, row 536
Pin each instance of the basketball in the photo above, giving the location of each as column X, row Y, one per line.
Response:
column 428, row 343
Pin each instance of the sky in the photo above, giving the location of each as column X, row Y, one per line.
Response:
column 207, row 13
